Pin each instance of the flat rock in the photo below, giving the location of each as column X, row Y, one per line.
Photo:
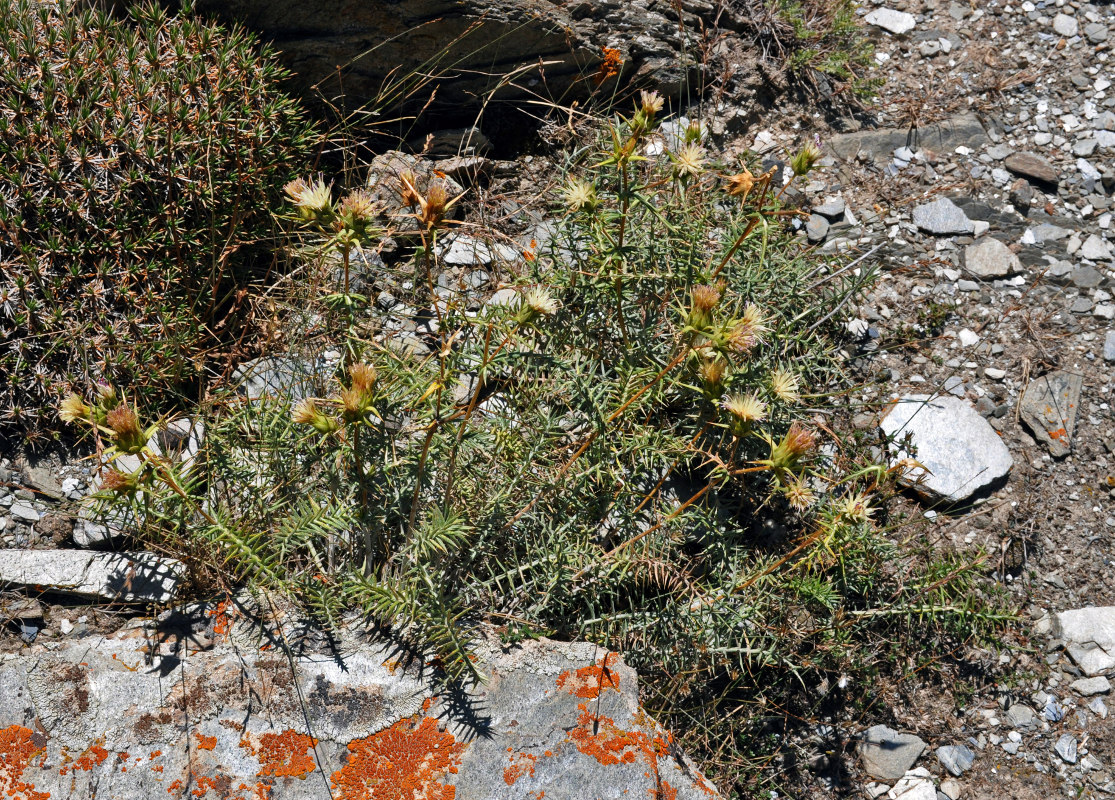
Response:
column 959, row 452
column 1064, row 25
column 127, row 577
column 832, row 209
column 1032, row 167
column 917, row 784
column 1109, row 346
column 1065, row 747
column 816, row 228
column 943, row 218
column 1020, row 716
column 1049, row 407
column 989, row 258
column 1089, row 637
column 559, row 719
column 1086, row 687
column 963, row 130
column 896, row 22
column 956, row 758
column 887, row 754
column 279, row 377
column 1095, row 249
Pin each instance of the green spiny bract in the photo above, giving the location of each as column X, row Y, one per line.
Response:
column 139, row 160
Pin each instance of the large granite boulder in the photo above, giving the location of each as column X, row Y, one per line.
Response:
column 207, row 706
column 554, row 50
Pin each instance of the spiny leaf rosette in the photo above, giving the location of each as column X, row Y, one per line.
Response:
column 139, row 160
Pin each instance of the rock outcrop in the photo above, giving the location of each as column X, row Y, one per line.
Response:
column 206, row 705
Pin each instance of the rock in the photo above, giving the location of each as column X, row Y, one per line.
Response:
column 817, row 228
column 951, row 788
column 22, row 512
column 956, row 758
column 1032, row 167
column 1048, row 407
column 126, row 577
column 1095, row 249
column 896, row 22
column 1022, row 195
column 1098, row 707
column 832, row 209
column 959, row 451
column 963, row 130
column 1095, row 33
column 560, row 719
column 1086, row 687
column 942, row 217
column 283, row 378
column 468, row 251
column 1064, row 25
column 1109, row 346
column 887, row 754
column 917, row 784
column 989, row 258
column 967, row 338
column 1020, row 716
column 1065, row 747
column 1089, row 637
column 1085, row 277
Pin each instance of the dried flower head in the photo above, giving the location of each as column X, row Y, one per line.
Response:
column 703, row 300
column 795, row 445
column 536, row 302
column 73, row 408
column 689, row 161
column 745, row 410
column 119, row 482
column 314, row 200
column 408, row 189
column 125, row 425
column 580, row 196
column 740, row 184
column 434, row 205
column 805, row 160
column 650, row 103
column 307, row 413
column 357, row 212
column 362, row 376
column 712, row 372
column 784, row 385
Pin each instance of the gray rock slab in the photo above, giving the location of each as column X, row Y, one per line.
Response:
column 1086, row 277
column 1109, row 346
column 896, row 22
column 956, row 758
column 832, row 208
column 957, row 452
column 887, row 754
column 1048, row 408
column 1095, row 32
column 1095, row 249
column 207, row 717
column 1086, row 687
column 816, row 228
column 1064, row 25
column 963, row 129
column 1065, row 747
column 1032, row 167
column 1020, row 716
column 942, row 217
column 127, row 577
column 23, row 512
column 989, row 258
column 280, row 377
column 1089, row 637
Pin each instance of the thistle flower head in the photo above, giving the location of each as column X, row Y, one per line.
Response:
column 125, row 425
column 106, row 396
column 693, row 132
column 359, row 398
column 73, row 408
column 362, row 376
column 536, row 302
column 784, row 385
column 795, row 445
column 307, row 413
column 747, row 331
column 703, row 301
column 805, row 160
column 580, row 196
column 356, row 212
column 408, row 189
column 740, row 184
column 745, row 410
column 314, row 200
column 799, row 496
column 434, row 205
column 650, row 103
column 689, row 161
column 119, row 482
column 855, row 508
column 712, row 372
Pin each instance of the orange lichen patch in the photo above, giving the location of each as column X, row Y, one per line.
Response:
column 427, row 704
column 174, row 787
column 1059, row 434
column 391, row 665
column 665, row 792
column 521, row 764
column 599, row 737
column 286, row 754
column 93, row 757
column 404, row 762
column 18, row 745
column 222, row 619
column 589, row 682
column 610, row 66
column 205, row 742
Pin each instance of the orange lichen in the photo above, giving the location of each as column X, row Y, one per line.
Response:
column 18, row 745
column 598, row 736
column 589, row 682
column 665, row 792
column 205, row 742
column 1059, row 434
column 404, row 762
column 222, row 619
column 93, row 757
column 520, row 768
column 286, row 754
column 609, row 66
column 174, row 787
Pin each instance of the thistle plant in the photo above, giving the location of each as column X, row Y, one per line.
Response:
column 605, row 457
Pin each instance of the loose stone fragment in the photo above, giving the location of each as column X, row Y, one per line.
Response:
column 128, row 577
column 1049, row 407
column 896, row 22
column 1089, row 637
column 990, row 258
column 1032, row 167
column 887, row 754
column 956, row 758
column 943, row 218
